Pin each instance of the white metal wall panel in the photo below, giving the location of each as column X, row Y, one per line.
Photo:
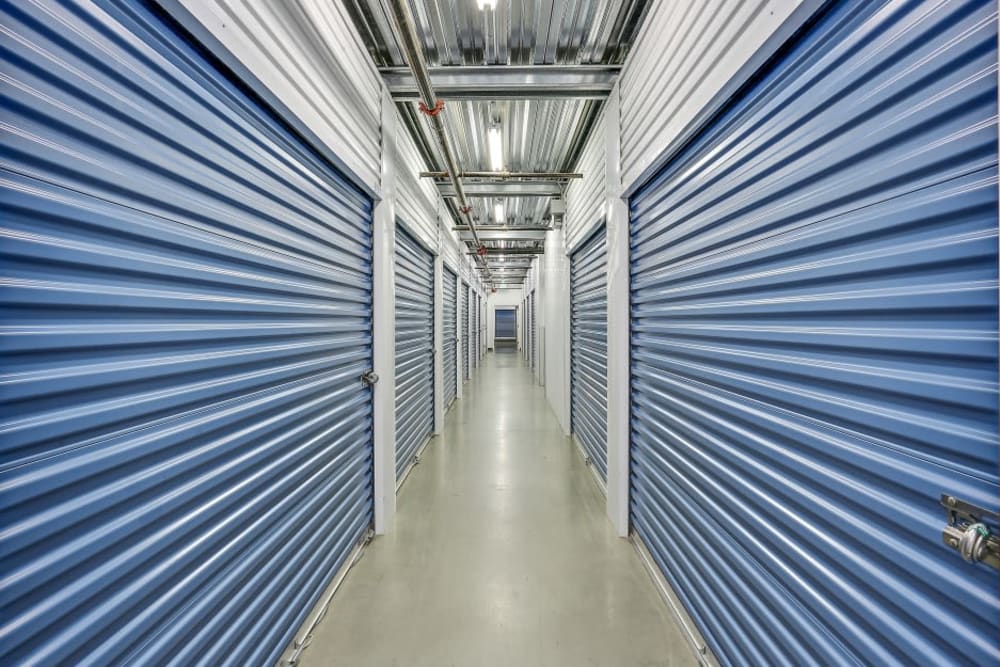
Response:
column 814, row 360
column 186, row 295
column 709, row 45
column 307, row 55
column 589, row 348
column 585, row 197
column 452, row 250
column 449, row 336
column 416, row 198
column 414, row 281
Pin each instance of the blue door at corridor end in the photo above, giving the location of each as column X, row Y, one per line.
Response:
column 186, row 295
column 505, row 323
column 814, row 347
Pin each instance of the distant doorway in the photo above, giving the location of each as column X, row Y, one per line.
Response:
column 505, row 328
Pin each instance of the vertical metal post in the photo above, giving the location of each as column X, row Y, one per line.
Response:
column 619, row 320
column 384, row 325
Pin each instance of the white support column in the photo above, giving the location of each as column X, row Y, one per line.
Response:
column 619, row 320
column 438, row 342
column 383, row 326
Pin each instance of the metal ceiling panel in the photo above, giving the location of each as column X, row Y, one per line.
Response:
column 491, row 82
column 527, row 32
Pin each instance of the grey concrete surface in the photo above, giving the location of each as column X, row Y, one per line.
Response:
column 501, row 554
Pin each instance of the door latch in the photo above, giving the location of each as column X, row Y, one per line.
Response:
column 369, row 378
column 972, row 531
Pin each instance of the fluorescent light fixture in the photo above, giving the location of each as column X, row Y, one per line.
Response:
column 483, row 4
column 496, row 148
column 498, row 211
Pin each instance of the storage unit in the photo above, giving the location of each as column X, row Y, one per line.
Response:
column 414, row 358
column 187, row 446
column 475, row 329
column 534, row 339
column 480, row 334
column 466, row 330
column 814, row 347
column 505, row 324
column 589, row 349
column 449, row 337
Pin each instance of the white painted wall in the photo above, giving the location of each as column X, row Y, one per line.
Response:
column 713, row 47
column 502, row 298
column 311, row 66
column 585, row 198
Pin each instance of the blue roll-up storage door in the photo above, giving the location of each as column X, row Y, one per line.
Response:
column 449, row 313
column 466, row 331
column 186, row 298
column 477, row 313
column 505, row 324
column 534, row 338
column 589, row 348
column 814, row 347
column 414, row 348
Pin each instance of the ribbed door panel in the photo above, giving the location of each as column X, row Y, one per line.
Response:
column 186, row 299
column 414, row 348
column 449, row 312
column 814, row 347
column 534, row 337
column 466, row 331
column 479, row 320
column 505, row 323
column 589, row 348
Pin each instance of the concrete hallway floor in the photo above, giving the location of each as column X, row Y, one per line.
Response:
column 501, row 554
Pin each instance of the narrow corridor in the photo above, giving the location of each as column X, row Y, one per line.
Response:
column 501, row 553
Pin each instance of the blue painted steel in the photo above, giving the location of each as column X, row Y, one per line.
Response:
column 505, row 323
column 466, row 330
column 414, row 331
column 588, row 291
column 474, row 339
column 186, row 311
column 479, row 328
column 534, row 337
column 814, row 347
column 449, row 320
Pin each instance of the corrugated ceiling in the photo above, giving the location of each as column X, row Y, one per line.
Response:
column 540, row 135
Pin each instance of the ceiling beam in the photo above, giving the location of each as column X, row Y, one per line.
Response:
column 507, row 82
column 505, row 228
column 510, row 235
column 512, row 251
column 505, row 189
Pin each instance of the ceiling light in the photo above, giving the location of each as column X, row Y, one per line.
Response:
column 498, row 211
column 496, row 148
column 483, row 4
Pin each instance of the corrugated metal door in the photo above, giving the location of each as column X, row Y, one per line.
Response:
column 505, row 323
column 466, row 331
column 474, row 323
column 589, row 348
column 449, row 314
column 186, row 297
column 479, row 326
column 414, row 268
column 814, row 347
column 534, row 337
